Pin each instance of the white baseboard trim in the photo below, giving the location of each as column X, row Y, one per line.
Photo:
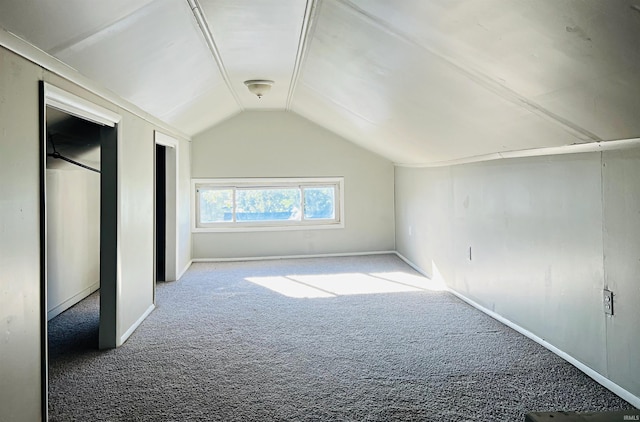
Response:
column 135, row 325
column 57, row 310
column 265, row 258
column 596, row 376
column 412, row 265
column 184, row 270
column 599, row 378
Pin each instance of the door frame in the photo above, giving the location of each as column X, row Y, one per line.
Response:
column 171, row 228
column 52, row 96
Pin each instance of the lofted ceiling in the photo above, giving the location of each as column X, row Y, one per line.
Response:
column 413, row 80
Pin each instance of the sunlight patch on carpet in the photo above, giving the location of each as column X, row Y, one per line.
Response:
column 288, row 287
column 332, row 285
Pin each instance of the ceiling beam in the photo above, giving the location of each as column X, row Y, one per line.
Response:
column 305, row 38
column 206, row 32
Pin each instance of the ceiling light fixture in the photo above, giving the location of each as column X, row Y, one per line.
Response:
column 258, row 87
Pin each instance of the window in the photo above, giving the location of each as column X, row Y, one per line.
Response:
column 267, row 204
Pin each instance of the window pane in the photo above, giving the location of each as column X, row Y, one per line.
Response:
column 275, row 204
column 319, row 203
column 216, row 205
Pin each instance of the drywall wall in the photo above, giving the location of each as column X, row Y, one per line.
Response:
column 621, row 193
column 281, row 144
column 183, row 197
column 73, row 236
column 136, row 210
column 423, row 212
column 20, row 319
column 524, row 238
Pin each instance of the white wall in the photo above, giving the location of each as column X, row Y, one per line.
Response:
column 542, row 250
column 621, row 193
column 19, row 240
column 136, row 211
column 281, row 144
column 73, row 236
column 184, row 206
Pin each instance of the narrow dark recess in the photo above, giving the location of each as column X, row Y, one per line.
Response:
column 161, row 212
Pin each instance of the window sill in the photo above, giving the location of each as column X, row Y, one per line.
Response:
column 267, row 228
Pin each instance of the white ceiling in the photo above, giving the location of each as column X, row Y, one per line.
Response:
column 413, row 80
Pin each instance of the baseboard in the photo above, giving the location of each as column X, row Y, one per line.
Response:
column 264, row 258
column 184, row 270
column 596, row 376
column 135, row 325
column 412, row 265
column 54, row 312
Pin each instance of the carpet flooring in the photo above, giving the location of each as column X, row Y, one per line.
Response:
column 275, row 341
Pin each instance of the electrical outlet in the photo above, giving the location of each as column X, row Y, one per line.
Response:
column 607, row 298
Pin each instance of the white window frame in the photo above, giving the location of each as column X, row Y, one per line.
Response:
column 336, row 223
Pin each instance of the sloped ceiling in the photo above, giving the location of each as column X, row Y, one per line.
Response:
column 413, row 80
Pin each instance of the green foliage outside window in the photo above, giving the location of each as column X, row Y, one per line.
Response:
column 267, row 204
column 216, row 205
column 319, row 203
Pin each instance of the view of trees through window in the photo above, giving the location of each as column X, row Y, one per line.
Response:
column 299, row 203
column 319, row 202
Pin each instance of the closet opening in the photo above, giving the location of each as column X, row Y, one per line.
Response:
column 161, row 213
column 166, row 194
column 78, row 227
column 73, row 210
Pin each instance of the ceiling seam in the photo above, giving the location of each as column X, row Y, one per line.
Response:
column 90, row 36
column 208, row 37
column 342, row 106
column 303, row 44
column 481, row 79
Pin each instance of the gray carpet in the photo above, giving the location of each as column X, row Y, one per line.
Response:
column 221, row 348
